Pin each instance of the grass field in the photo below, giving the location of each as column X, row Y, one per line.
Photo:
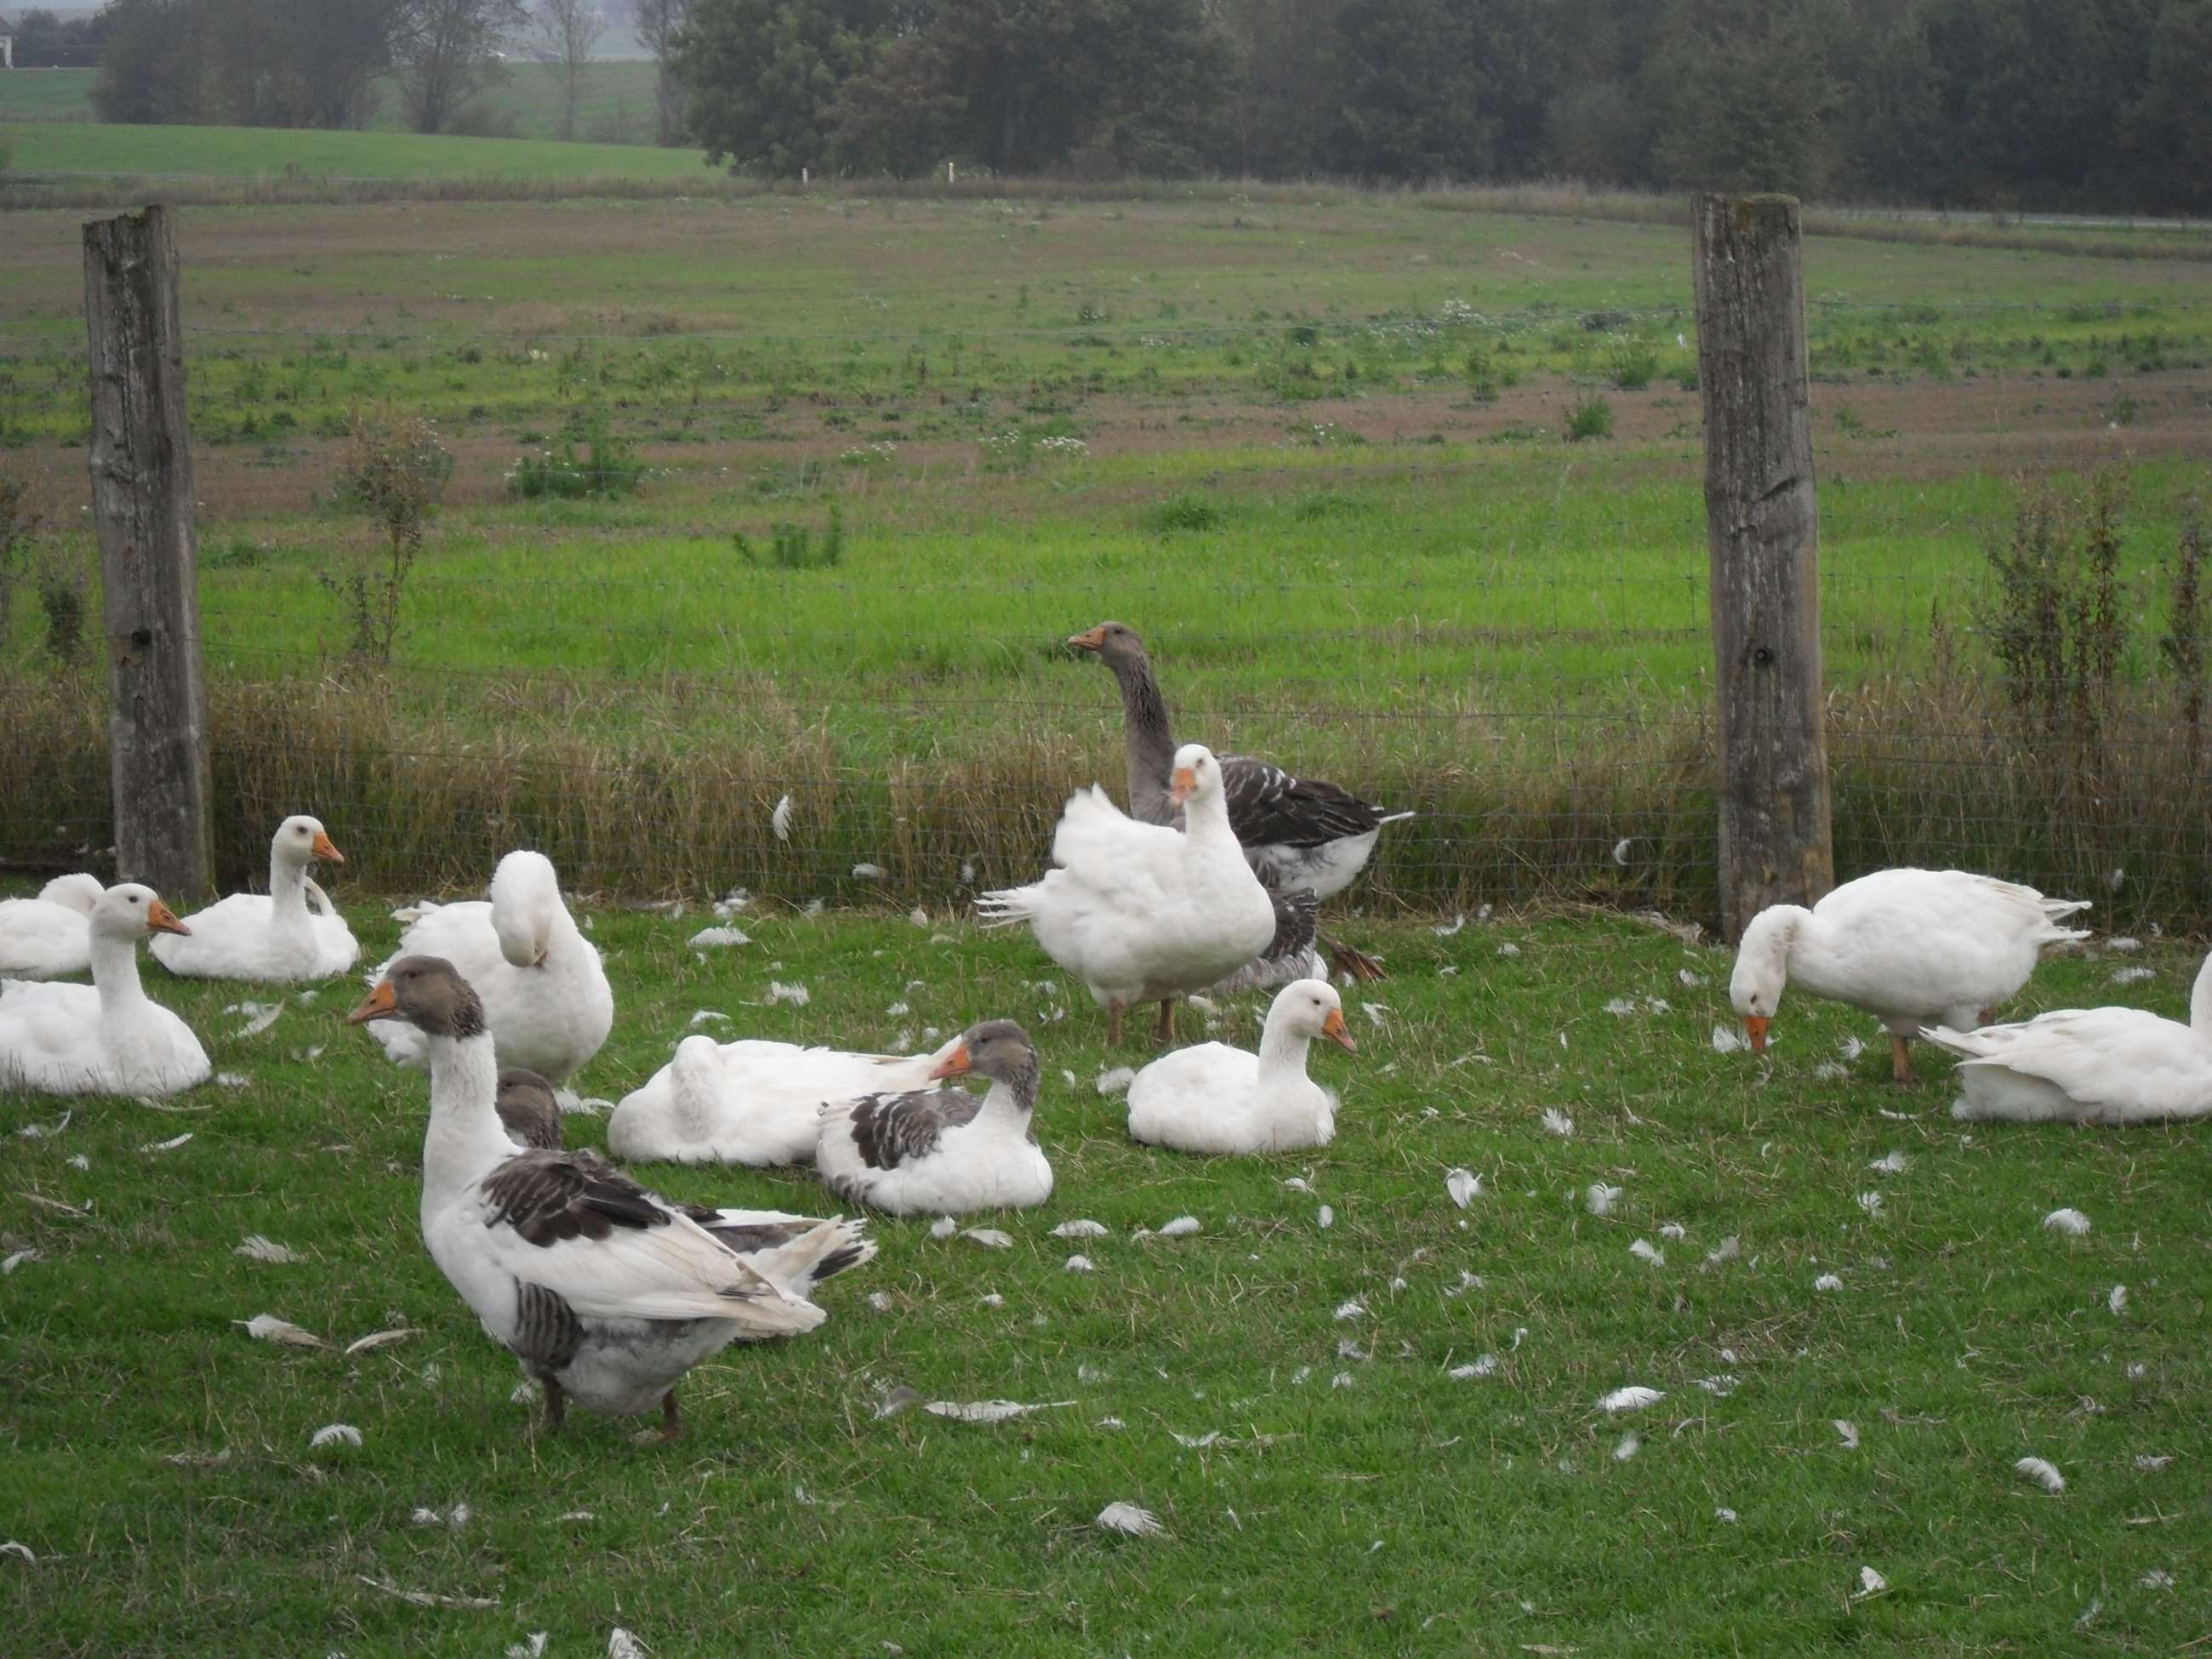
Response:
column 1358, row 1498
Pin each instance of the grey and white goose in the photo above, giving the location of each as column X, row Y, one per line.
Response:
column 608, row 1293
column 1298, row 833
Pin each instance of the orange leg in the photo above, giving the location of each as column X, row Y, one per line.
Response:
column 1900, row 1064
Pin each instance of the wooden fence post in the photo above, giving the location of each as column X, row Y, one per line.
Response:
column 1762, row 535
column 141, row 507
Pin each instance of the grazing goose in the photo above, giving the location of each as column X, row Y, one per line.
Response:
column 1141, row 912
column 945, row 1152
column 108, row 1037
column 1307, row 832
column 2089, row 1065
column 1911, row 947
column 271, row 936
column 527, row 1109
column 49, row 937
column 540, row 980
column 1214, row 1098
column 755, row 1103
column 608, row 1293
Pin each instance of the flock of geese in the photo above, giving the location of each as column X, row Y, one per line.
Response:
column 609, row 1294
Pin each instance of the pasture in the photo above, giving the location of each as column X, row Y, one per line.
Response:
column 1279, row 1388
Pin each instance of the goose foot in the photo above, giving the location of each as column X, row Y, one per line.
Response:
column 1900, row 1064
column 1114, row 1024
column 1165, row 1035
column 556, row 1407
column 671, row 1425
column 1345, row 959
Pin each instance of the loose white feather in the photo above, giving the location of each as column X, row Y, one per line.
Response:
column 256, row 1247
column 2043, row 1472
column 1890, row 1164
column 1629, row 1446
column 267, row 1327
column 1827, row 1282
column 1599, row 1199
column 988, row 1411
column 1871, row 1582
column 1725, row 1042
column 1557, row 1121
column 376, row 1340
column 621, row 1644
column 1115, row 1081
column 1130, row 1521
column 2067, row 1221
column 1645, row 1250
column 779, row 820
column 989, row 1238
column 796, row 995
column 1464, row 1186
column 2117, row 1301
column 1079, row 1264
column 1631, row 1398
column 1324, row 1218
column 1181, row 1227
column 1481, row 1366
column 17, row 1261
column 1354, row 1308
column 715, row 938
column 335, row 1434
column 1083, row 1228
column 1847, row 1431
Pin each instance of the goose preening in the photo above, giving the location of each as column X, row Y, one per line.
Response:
column 527, row 1109
column 108, row 1037
column 947, row 1151
column 1308, row 833
column 2089, row 1065
column 541, row 982
column 1911, row 947
column 752, row 1101
column 274, row 936
column 1214, row 1098
column 49, row 937
column 607, row 1293
column 1141, row 912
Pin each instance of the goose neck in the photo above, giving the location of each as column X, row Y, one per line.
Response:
column 2200, row 1001
column 288, row 887
column 465, row 1138
column 1282, row 1051
column 1014, row 1096
column 1149, row 747
column 115, row 974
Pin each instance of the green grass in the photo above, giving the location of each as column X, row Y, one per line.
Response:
column 74, row 148
column 1403, row 1512
column 61, row 95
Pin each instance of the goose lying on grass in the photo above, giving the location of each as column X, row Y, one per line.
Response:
column 1214, row 1098
column 945, row 1152
column 276, row 936
column 1911, row 947
column 1305, row 832
column 528, row 1110
column 2089, row 1065
column 752, row 1101
column 49, row 937
column 108, row 1037
column 541, row 982
column 1141, row 912
column 608, row 1293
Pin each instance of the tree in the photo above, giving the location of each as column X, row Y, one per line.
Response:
column 569, row 29
column 1282, row 67
column 1411, row 106
column 659, row 24
column 1741, row 91
column 764, row 76
column 447, row 50
column 2169, row 128
column 151, row 63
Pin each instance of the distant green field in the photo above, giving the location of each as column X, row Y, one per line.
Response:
column 72, row 147
column 60, row 94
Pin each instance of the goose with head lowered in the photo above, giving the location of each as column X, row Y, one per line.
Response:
column 607, row 1293
column 108, row 1037
column 277, row 936
column 945, row 1152
column 1141, row 912
column 2089, row 1065
column 1214, row 1098
column 752, row 1101
column 1302, row 832
column 543, row 989
column 1911, row 947
column 49, row 937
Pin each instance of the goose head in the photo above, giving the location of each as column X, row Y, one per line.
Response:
column 427, row 993
column 525, row 903
column 300, row 840
column 1116, row 644
column 528, row 1108
column 78, row 892
column 997, row 1050
column 1196, row 777
column 1310, row 1008
column 1762, row 968
column 130, row 910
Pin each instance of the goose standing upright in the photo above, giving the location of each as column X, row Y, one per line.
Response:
column 49, row 937
column 1141, row 912
column 945, row 1152
column 108, row 1037
column 2089, row 1065
column 607, row 1293
column 1301, row 832
column 1911, row 947
column 1214, row 1098
column 274, row 936
column 543, row 988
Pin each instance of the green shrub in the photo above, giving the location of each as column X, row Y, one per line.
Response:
column 1590, row 418
column 1187, row 512
column 608, row 467
column 795, row 547
column 1632, row 365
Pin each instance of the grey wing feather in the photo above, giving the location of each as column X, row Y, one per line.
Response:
column 1269, row 807
column 888, row 1130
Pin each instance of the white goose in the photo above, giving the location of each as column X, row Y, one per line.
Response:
column 2089, row 1065
column 945, row 1152
column 273, row 936
column 752, row 1101
column 541, row 981
column 1911, row 947
column 1214, row 1098
column 608, row 1294
column 49, row 937
column 1141, row 912
column 108, row 1037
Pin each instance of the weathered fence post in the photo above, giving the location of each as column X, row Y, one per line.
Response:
column 141, row 506
column 1762, row 537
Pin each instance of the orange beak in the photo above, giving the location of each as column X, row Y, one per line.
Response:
column 160, row 919
column 1089, row 640
column 1332, row 1028
column 1754, row 1027
column 325, row 850
column 1180, row 785
column 379, row 1005
column 955, row 1064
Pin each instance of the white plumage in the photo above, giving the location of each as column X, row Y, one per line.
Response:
column 278, row 936
column 108, row 1037
column 49, row 937
column 1214, row 1098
